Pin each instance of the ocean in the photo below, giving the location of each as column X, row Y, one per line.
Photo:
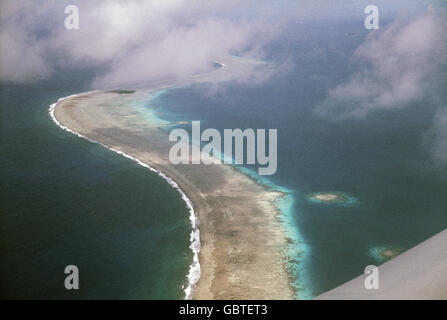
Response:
column 64, row 200
column 379, row 163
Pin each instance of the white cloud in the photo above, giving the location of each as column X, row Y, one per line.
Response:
column 185, row 50
column 20, row 62
column 398, row 63
column 136, row 40
column 132, row 41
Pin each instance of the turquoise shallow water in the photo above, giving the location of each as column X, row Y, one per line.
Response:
column 392, row 197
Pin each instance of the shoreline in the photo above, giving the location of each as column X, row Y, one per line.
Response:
column 200, row 287
column 194, row 269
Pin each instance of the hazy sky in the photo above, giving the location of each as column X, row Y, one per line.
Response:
column 396, row 66
column 139, row 41
column 135, row 41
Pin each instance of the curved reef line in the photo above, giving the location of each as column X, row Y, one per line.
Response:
column 194, row 269
column 232, row 209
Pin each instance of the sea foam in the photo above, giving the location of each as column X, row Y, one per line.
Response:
column 194, row 269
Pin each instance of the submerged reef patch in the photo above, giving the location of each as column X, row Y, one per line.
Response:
column 384, row 253
column 336, row 198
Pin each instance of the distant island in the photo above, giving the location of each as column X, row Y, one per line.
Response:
column 123, row 92
column 335, row 197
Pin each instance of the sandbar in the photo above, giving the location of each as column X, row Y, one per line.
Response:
column 242, row 240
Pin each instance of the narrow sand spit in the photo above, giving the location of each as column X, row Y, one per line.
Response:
column 241, row 238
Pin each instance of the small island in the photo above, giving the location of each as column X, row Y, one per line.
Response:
column 122, row 92
column 336, row 197
column 326, row 197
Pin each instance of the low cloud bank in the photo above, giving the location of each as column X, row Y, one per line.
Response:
column 146, row 40
column 132, row 41
column 397, row 65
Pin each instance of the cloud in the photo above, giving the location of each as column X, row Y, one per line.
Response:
column 185, row 50
column 20, row 62
column 135, row 40
column 21, row 56
column 396, row 68
column 129, row 41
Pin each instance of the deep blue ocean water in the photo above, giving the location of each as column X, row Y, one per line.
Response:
column 65, row 201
